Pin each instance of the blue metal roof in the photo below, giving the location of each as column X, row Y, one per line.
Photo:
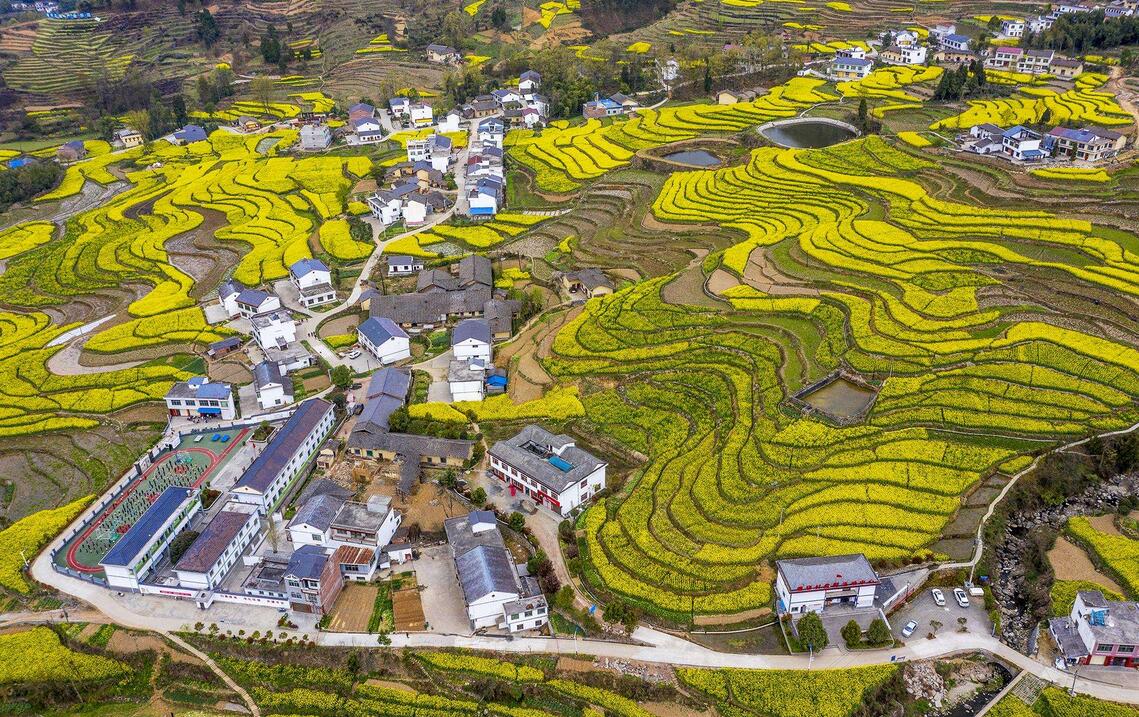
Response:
column 214, row 390
column 482, row 210
column 562, row 465
column 191, row 133
column 304, row 266
column 132, row 543
column 380, row 329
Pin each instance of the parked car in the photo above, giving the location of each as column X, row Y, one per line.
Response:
column 909, row 628
column 354, row 354
column 938, row 597
column 960, row 596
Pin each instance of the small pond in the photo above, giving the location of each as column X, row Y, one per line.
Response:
column 694, row 158
column 808, row 133
column 840, row 398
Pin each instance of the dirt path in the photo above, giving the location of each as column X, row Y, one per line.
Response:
column 66, row 362
column 249, row 703
column 1123, row 96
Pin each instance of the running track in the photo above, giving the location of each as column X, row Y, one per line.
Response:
column 214, row 459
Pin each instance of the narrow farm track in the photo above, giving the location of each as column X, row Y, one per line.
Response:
column 252, row 706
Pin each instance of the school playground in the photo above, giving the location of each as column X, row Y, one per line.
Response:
column 194, row 462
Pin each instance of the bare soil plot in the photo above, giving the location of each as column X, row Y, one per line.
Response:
column 408, row 609
column 1069, row 562
column 353, row 608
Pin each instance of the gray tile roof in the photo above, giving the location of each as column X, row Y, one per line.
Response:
column 836, row 571
column 409, row 444
column 437, row 279
column 230, row 287
column 265, row 468
column 317, row 512
column 390, row 381
column 213, row 541
column 532, row 452
column 432, row 307
column 376, row 413
column 462, row 538
column 253, row 297
column 477, row 329
column 499, row 314
column 307, row 563
column 591, row 278
column 323, row 486
column 267, row 373
column 475, row 269
column 484, row 570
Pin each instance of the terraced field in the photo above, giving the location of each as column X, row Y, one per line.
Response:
column 873, row 274
column 112, row 261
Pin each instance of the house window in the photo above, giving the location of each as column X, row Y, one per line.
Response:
column 1126, row 648
column 1104, row 648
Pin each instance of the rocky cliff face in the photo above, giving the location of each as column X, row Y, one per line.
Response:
column 1012, row 587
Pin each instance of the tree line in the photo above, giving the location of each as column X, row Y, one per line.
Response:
column 1078, row 32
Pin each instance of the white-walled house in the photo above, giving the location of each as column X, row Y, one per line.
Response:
column 137, row 551
column 275, row 329
column 471, row 339
column 315, row 137
column 450, row 122
column 216, row 550
column 421, row 114
column 529, row 82
column 227, row 296
column 384, row 339
column 1098, row 631
column 314, row 282
column 310, row 524
column 198, row 396
column 365, row 525
column 290, row 450
column 493, row 592
column 272, row 388
column 467, row 380
column 549, row 469
column 811, row 584
column 403, row 265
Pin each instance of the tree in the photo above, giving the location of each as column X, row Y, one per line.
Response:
column 707, row 75
column 341, row 376
column 812, row 634
column 181, row 544
column 262, row 89
column 852, row 633
column 879, row 632
column 271, row 46
column 478, row 496
column 517, row 522
column 398, row 420
column 862, row 111
column 207, row 28
column 498, row 17
column 139, row 121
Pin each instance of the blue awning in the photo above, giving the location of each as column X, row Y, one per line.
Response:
column 208, row 411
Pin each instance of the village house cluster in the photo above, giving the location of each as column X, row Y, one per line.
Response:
column 945, row 45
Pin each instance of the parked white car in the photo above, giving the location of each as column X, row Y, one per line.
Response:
column 354, row 354
column 938, row 597
column 960, row 596
column 909, row 628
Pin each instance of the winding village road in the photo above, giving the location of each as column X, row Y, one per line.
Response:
column 169, row 616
